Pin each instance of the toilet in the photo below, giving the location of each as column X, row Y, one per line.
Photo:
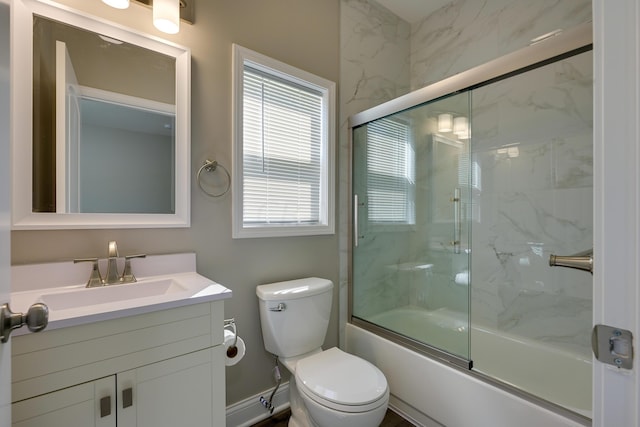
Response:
column 328, row 388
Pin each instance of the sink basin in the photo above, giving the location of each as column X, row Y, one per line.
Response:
column 111, row 293
column 164, row 282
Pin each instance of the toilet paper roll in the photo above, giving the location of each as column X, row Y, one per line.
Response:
column 233, row 356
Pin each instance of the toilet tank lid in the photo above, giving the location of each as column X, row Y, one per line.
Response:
column 293, row 289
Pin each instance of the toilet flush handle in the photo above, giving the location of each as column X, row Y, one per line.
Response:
column 280, row 307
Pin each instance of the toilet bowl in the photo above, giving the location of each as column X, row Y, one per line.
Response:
column 339, row 389
column 328, row 388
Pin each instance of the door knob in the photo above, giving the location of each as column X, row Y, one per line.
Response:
column 36, row 319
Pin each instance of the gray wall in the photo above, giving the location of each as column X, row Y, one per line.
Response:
column 136, row 167
column 303, row 33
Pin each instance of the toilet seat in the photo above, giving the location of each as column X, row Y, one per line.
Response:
column 341, row 381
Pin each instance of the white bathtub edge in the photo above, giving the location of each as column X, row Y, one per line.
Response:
column 444, row 394
column 411, row 414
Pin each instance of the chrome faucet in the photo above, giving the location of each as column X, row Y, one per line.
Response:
column 95, row 279
column 127, row 273
column 112, row 265
column 112, row 277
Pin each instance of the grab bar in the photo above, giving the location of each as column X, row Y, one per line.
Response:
column 457, row 219
column 581, row 261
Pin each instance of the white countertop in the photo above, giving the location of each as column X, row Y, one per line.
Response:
column 62, row 286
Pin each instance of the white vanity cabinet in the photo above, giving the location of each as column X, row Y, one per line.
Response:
column 73, row 406
column 174, row 392
column 164, row 368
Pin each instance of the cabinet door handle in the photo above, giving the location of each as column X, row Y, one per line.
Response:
column 105, row 406
column 127, row 397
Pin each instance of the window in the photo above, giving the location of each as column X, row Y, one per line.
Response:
column 391, row 175
column 283, row 149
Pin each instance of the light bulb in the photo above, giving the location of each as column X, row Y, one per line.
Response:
column 118, row 4
column 166, row 15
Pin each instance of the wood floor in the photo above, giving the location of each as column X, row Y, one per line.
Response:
column 280, row 420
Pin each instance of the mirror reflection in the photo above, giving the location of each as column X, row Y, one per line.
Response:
column 103, row 123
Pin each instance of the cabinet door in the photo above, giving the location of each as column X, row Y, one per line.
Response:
column 84, row 405
column 183, row 391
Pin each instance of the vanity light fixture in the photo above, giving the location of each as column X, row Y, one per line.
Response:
column 118, row 4
column 166, row 15
column 445, row 122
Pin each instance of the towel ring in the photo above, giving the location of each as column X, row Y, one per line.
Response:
column 211, row 166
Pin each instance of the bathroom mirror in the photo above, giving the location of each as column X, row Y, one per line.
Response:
column 101, row 123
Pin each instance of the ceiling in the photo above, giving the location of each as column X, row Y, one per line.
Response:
column 413, row 10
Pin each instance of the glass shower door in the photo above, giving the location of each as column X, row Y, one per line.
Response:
column 412, row 191
column 514, row 188
column 532, row 139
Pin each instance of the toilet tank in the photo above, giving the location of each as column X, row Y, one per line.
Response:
column 295, row 315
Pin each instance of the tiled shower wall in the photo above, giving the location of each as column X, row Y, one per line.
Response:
column 532, row 143
column 384, row 57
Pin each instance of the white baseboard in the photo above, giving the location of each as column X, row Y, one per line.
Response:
column 250, row 411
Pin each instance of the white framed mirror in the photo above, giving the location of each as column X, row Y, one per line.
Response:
column 100, row 123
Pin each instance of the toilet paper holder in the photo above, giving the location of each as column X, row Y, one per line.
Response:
column 230, row 324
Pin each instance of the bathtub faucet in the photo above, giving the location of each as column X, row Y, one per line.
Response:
column 581, row 261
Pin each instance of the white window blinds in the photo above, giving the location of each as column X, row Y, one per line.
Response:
column 391, row 176
column 284, row 132
column 282, row 151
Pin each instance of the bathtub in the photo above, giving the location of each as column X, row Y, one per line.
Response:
column 434, row 394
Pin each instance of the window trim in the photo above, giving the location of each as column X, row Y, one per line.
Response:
column 242, row 56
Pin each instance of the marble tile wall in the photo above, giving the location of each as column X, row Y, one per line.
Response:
column 374, row 62
column 468, row 33
column 383, row 57
column 374, row 56
column 532, row 141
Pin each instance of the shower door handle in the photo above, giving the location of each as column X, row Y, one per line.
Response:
column 580, row 261
column 457, row 221
column 356, row 235
column 355, row 220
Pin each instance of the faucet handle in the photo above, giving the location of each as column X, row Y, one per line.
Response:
column 127, row 274
column 95, row 279
column 113, row 249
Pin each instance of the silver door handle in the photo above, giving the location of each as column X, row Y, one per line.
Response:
column 581, row 261
column 36, row 319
